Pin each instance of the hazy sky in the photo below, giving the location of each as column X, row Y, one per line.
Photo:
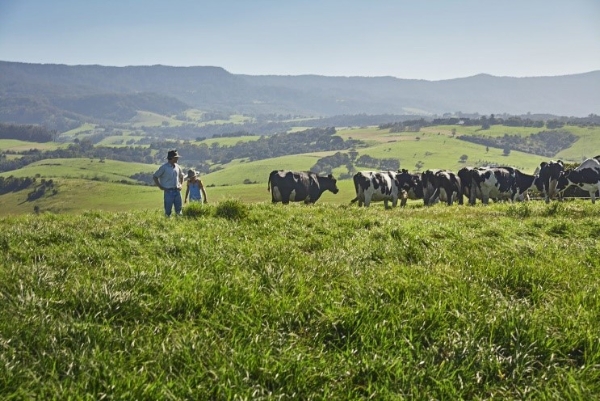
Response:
column 420, row 39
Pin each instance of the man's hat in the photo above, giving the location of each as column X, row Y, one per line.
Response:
column 172, row 154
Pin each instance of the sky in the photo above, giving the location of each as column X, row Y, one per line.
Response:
column 418, row 39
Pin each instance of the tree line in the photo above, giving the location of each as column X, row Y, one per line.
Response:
column 30, row 133
column 544, row 143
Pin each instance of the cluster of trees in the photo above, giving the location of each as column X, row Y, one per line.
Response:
column 40, row 190
column 236, row 134
column 545, row 143
column 31, row 133
column 486, row 122
column 14, row 184
column 325, row 165
column 378, row 164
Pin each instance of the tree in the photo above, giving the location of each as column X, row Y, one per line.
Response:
column 463, row 158
column 506, row 151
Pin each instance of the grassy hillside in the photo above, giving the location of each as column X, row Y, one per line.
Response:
column 327, row 302
column 15, row 145
column 91, row 169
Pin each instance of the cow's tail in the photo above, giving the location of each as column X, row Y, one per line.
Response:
column 269, row 183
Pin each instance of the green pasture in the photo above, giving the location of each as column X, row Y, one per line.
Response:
column 227, row 141
column 16, row 145
column 91, row 169
column 440, row 151
column 83, row 130
column 587, row 146
column 121, row 140
column 258, row 171
column 321, row 302
column 149, row 119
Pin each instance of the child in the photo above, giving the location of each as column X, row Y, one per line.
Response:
column 195, row 188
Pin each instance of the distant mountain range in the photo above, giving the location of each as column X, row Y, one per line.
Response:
column 34, row 93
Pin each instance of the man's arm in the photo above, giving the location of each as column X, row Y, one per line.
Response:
column 157, row 182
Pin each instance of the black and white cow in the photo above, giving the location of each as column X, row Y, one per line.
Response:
column 376, row 186
column 307, row 187
column 410, row 185
column 523, row 184
column 441, row 184
column 493, row 182
column 548, row 178
column 586, row 176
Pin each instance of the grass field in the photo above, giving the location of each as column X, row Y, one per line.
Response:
column 321, row 302
column 91, row 169
column 16, row 145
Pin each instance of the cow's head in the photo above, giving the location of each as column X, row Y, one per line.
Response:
column 330, row 184
column 549, row 173
column 563, row 180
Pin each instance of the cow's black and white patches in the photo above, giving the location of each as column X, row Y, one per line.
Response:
column 372, row 186
column 586, row 176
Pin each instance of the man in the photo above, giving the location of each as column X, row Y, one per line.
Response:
column 169, row 178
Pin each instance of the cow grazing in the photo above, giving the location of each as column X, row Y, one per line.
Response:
column 548, row 178
column 372, row 186
column 411, row 186
column 442, row 185
column 286, row 186
column 586, row 176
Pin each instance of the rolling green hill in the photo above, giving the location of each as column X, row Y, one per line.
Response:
column 84, row 184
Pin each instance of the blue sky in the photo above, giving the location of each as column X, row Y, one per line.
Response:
column 420, row 39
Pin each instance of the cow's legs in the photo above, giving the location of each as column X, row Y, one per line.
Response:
column 593, row 193
column 485, row 198
column 448, row 196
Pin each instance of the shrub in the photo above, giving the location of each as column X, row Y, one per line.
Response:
column 232, row 209
column 196, row 210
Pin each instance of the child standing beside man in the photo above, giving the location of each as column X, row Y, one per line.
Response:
column 195, row 188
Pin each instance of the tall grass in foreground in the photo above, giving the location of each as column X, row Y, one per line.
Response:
column 297, row 302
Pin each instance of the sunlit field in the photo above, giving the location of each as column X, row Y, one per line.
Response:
column 261, row 301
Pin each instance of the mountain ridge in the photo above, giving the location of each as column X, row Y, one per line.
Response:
column 215, row 89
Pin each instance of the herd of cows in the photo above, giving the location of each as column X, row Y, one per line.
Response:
column 499, row 183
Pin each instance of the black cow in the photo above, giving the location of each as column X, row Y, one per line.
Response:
column 441, row 184
column 548, row 178
column 468, row 183
column 286, row 186
column 586, row 176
